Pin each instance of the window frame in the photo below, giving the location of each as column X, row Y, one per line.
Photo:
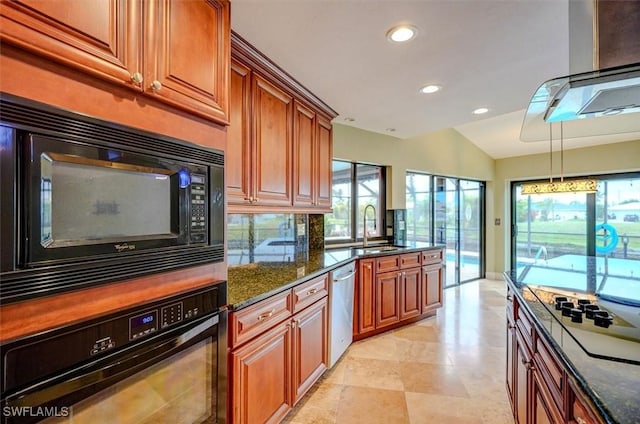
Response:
column 380, row 210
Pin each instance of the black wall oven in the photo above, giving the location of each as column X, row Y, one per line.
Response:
column 86, row 201
column 160, row 362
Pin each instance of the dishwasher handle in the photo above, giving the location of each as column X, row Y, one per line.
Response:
column 346, row 277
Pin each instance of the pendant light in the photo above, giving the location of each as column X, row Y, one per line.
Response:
column 581, row 185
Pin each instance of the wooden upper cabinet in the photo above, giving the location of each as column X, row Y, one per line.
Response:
column 280, row 145
column 304, row 144
column 102, row 39
column 177, row 51
column 238, row 152
column 187, row 52
column 273, row 148
column 323, row 174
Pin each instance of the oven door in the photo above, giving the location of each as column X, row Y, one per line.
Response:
column 170, row 378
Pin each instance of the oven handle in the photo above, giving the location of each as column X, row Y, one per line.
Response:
column 51, row 389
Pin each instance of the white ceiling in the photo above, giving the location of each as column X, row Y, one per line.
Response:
column 491, row 53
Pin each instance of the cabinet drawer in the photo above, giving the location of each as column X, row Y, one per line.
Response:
column 410, row 260
column 255, row 319
column 306, row 293
column 431, row 257
column 525, row 325
column 387, row 263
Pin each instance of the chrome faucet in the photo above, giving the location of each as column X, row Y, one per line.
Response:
column 364, row 221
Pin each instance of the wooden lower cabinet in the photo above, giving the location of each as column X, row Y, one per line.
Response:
column 365, row 302
column 543, row 410
column 272, row 372
column 410, row 293
column 431, row 287
column 538, row 386
column 522, row 362
column 309, row 347
column 261, row 376
column 393, row 289
column 387, row 298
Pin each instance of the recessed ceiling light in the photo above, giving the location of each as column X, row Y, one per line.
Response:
column 429, row 89
column 480, row 111
column 349, row 119
column 401, row 33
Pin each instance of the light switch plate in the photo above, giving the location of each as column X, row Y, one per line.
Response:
column 301, row 230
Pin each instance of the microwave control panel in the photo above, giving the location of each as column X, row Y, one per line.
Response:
column 198, row 224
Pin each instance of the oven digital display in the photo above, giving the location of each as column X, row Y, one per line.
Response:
column 143, row 324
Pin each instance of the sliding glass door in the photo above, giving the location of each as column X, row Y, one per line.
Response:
column 446, row 225
column 450, row 212
column 566, row 232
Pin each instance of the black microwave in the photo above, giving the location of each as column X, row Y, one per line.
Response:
column 94, row 202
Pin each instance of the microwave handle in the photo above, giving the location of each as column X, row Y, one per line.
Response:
column 44, row 391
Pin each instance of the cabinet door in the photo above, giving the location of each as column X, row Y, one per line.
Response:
column 511, row 358
column 431, row 287
column 238, row 151
column 309, row 347
column 273, row 149
column 304, row 143
column 101, row 38
column 387, row 298
column 410, row 289
column 261, row 377
column 522, row 380
column 187, row 53
column 544, row 409
column 365, row 297
column 323, row 162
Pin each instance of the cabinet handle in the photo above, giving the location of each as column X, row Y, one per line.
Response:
column 511, row 326
column 156, row 85
column 266, row 315
column 580, row 420
column 509, row 297
column 312, row 291
column 528, row 365
column 137, row 78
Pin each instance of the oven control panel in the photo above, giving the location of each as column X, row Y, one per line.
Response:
column 172, row 314
column 143, row 324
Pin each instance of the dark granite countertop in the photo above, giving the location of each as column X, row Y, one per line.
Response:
column 250, row 283
column 605, row 362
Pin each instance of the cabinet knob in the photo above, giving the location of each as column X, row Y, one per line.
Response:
column 156, row 85
column 136, row 78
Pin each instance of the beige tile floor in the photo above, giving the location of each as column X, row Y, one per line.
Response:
column 445, row 369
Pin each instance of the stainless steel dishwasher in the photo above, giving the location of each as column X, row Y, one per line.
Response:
column 341, row 310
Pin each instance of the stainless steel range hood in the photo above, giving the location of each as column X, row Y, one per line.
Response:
column 591, row 103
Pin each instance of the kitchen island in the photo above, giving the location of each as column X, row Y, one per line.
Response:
column 573, row 340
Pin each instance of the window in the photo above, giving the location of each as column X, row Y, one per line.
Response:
column 355, row 186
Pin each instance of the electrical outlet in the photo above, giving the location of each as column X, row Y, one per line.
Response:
column 301, row 230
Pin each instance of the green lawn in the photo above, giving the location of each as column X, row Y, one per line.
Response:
column 570, row 233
